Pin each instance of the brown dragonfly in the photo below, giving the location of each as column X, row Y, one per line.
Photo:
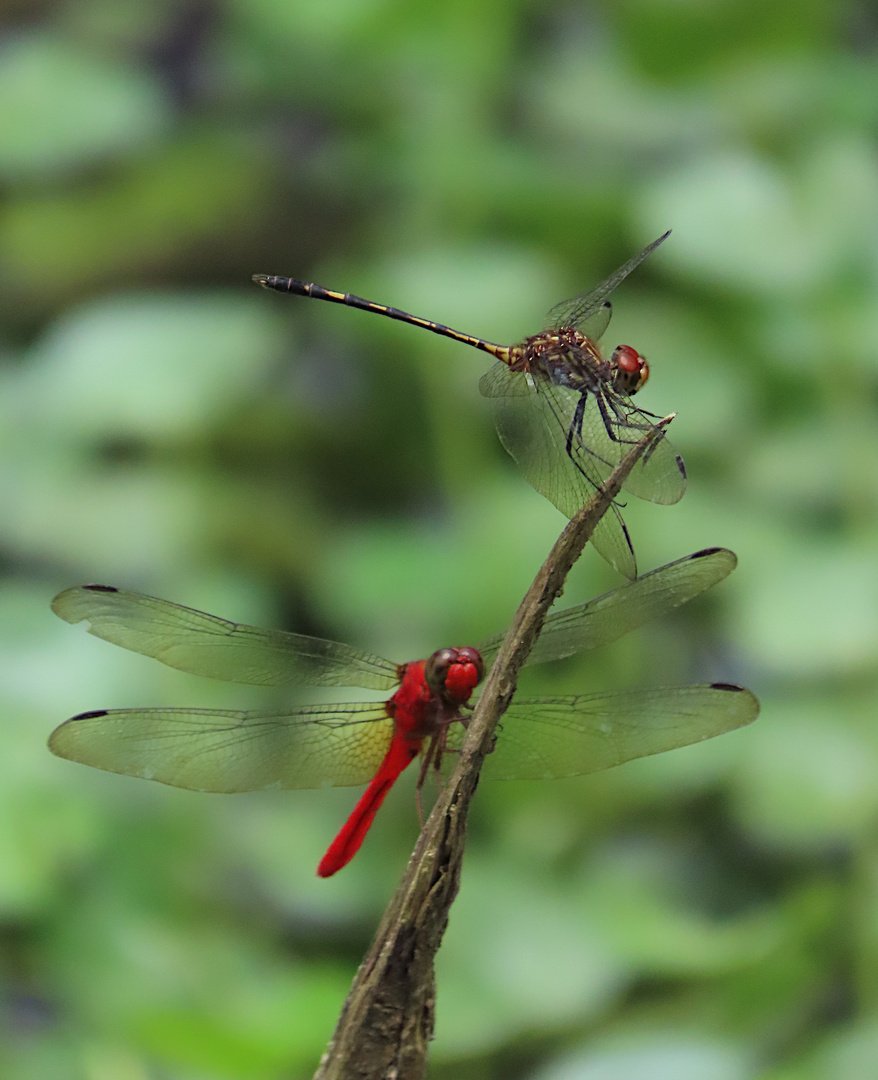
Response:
column 561, row 409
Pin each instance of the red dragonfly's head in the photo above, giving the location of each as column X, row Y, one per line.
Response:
column 454, row 673
column 630, row 369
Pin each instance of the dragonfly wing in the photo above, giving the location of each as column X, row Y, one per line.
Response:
column 616, row 613
column 549, row 738
column 608, row 433
column 201, row 644
column 533, row 420
column 593, row 326
column 612, row 542
column 532, row 423
column 577, row 311
column 222, row 750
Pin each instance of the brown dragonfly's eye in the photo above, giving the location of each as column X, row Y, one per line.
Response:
column 630, row 369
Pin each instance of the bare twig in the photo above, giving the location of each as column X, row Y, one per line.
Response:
column 387, row 1020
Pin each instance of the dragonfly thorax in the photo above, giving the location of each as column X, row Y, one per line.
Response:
column 565, row 357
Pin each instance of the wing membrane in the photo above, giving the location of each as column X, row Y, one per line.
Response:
column 202, row 644
column 576, row 311
column 543, row 739
column 616, row 613
column 532, row 425
column 226, row 751
column 533, row 422
column 658, row 477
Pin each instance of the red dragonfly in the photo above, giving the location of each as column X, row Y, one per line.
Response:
column 355, row 743
column 562, row 411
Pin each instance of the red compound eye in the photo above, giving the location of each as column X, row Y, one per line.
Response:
column 627, row 359
column 630, row 369
column 454, row 672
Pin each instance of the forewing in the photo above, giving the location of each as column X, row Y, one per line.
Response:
column 532, row 424
column 618, row 612
column 575, row 312
column 222, row 750
column 201, row 644
column 543, row 739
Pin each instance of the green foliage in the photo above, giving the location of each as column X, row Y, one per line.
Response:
column 164, row 426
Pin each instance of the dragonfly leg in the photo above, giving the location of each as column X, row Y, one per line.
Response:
column 575, row 431
column 624, row 420
column 609, row 422
column 576, row 425
column 429, row 758
column 651, row 415
column 441, row 741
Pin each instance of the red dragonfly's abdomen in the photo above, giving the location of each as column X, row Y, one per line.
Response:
column 427, row 701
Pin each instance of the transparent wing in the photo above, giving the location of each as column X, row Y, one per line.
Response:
column 577, row 311
column 607, row 435
column 533, row 422
column 616, row 613
column 201, row 644
column 532, row 425
column 544, row 739
column 593, row 326
column 612, row 542
column 222, row 750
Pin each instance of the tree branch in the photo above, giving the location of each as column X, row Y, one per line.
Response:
column 387, row 1020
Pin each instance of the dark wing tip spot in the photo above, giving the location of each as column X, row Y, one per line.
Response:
column 100, row 588
column 88, row 715
column 730, row 687
column 681, row 465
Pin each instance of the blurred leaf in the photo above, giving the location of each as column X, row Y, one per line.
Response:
column 807, row 780
column 641, row 1055
column 736, row 222
column 629, row 891
column 150, row 366
column 189, row 197
column 63, row 108
column 519, row 957
column 847, row 1054
column 812, row 608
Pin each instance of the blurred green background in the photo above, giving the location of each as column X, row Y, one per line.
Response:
column 711, row 914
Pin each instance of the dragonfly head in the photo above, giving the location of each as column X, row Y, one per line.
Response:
column 454, row 673
column 630, row 369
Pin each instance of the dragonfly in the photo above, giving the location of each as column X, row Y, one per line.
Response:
column 562, row 411
column 373, row 742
